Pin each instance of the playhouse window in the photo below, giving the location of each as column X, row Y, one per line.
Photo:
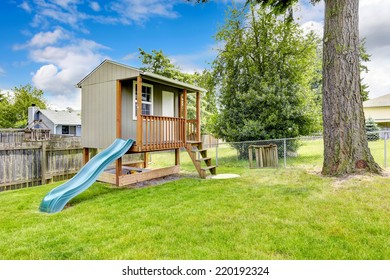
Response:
column 147, row 99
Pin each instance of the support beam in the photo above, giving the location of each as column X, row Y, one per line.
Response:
column 146, row 160
column 139, row 111
column 85, row 155
column 118, row 166
column 198, row 134
column 185, row 104
column 185, row 114
column 177, row 156
column 180, row 114
column 118, row 171
column 118, row 109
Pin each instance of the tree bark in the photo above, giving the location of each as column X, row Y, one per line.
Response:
column 345, row 141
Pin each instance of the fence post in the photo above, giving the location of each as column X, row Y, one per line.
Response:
column 285, row 152
column 385, row 153
column 216, row 153
column 43, row 163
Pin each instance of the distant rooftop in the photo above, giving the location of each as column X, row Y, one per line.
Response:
column 381, row 101
column 63, row 117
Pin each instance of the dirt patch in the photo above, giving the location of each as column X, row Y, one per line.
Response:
column 361, row 178
column 347, row 180
column 160, row 181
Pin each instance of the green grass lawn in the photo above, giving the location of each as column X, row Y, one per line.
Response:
column 264, row 214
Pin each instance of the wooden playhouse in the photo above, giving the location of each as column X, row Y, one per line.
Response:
column 119, row 101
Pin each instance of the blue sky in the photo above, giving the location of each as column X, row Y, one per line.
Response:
column 53, row 44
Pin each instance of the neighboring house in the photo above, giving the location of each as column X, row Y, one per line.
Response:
column 120, row 101
column 379, row 110
column 59, row 122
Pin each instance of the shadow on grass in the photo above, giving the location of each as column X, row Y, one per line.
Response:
column 97, row 190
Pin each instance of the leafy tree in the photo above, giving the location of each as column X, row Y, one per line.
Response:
column 345, row 141
column 14, row 111
column 157, row 62
column 265, row 72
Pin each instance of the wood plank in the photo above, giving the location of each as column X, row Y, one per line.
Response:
column 107, row 178
column 118, row 170
column 43, row 163
column 144, row 176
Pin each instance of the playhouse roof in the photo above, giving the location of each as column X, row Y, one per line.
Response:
column 147, row 75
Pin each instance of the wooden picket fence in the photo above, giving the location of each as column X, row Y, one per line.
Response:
column 26, row 164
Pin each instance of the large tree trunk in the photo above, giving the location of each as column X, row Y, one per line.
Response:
column 345, row 141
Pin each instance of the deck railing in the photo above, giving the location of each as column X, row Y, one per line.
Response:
column 191, row 133
column 161, row 133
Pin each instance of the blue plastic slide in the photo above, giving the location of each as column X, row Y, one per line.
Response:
column 56, row 199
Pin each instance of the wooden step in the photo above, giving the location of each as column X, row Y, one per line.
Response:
column 199, row 150
column 204, row 159
column 208, row 167
column 193, row 142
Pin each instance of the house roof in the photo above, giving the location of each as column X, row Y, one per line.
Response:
column 148, row 75
column 381, row 101
column 63, row 117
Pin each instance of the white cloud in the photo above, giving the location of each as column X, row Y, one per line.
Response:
column 190, row 63
column 307, row 12
column 63, row 67
column 61, row 102
column 141, row 10
column 2, row 71
column 313, row 26
column 43, row 39
column 73, row 13
column 374, row 26
column 131, row 56
column 94, row 6
column 25, row 6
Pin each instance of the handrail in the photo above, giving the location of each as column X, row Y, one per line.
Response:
column 191, row 130
column 160, row 133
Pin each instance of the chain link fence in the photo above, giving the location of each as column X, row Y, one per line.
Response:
column 302, row 152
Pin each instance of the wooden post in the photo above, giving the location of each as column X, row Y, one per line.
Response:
column 250, row 156
column 185, row 115
column 185, row 104
column 139, row 111
column 180, row 106
column 198, row 134
column 118, row 165
column 43, row 163
column 118, row 109
column 118, row 170
column 85, row 155
column 177, row 156
column 146, row 159
column 179, row 132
